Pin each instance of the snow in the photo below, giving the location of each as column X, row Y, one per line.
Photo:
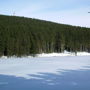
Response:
column 65, row 53
column 28, row 67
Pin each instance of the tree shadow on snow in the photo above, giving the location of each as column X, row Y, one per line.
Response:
column 68, row 80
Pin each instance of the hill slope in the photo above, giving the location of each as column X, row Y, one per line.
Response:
column 24, row 36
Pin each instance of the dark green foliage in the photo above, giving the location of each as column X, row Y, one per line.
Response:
column 26, row 36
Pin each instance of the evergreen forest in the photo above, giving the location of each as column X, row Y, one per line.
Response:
column 23, row 36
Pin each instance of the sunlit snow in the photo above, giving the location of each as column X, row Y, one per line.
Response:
column 26, row 67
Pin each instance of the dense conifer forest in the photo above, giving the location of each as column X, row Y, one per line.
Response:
column 27, row 36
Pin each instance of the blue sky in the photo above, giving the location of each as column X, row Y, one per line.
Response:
column 74, row 12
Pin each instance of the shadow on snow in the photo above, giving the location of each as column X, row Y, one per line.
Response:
column 68, row 80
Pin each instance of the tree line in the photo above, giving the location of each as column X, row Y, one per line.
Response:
column 22, row 36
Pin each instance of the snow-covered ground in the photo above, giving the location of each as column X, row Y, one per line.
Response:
column 65, row 53
column 27, row 67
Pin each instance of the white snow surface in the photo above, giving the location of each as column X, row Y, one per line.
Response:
column 65, row 53
column 28, row 67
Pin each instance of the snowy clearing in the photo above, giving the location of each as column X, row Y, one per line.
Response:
column 26, row 67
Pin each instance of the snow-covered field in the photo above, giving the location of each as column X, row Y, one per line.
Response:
column 27, row 67
column 46, row 72
column 65, row 53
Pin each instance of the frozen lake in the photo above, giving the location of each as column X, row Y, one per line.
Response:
column 45, row 73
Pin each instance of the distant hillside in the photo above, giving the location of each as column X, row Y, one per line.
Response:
column 25, row 36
